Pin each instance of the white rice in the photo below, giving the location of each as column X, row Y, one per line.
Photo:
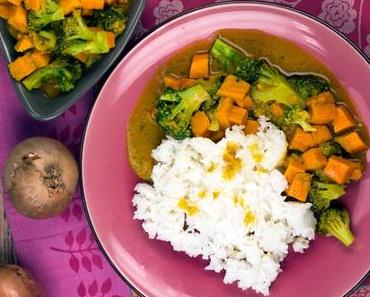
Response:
column 236, row 218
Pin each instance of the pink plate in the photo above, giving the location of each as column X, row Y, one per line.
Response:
column 326, row 270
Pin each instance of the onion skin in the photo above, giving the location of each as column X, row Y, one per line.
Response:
column 41, row 176
column 17, row 282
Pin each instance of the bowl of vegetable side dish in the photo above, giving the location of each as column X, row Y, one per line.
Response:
column 233, row 161
column 57, row 50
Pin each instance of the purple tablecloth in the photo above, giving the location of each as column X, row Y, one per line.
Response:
column 61, row 252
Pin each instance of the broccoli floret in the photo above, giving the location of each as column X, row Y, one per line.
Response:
column 49, row 12
column 174, row 110
column 63, row 73
column 308, row 85
column 296, row 115
column 336, row 222
column 112, row 19
column 331, row 148
column 211, row 85
column 273, row 86
column 79, row 38
column 44, row 41
column 319, row 175
column 233, row 61
column 321, row 194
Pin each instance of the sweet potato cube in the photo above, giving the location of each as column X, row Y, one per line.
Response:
column 199, row 66
column 324, row 97
column 246, row 102
column 276, row 110
column 92, row 4
column 40, row 59
column 300, row 186
column 321, row 135
column 18, row 18
column 301, row 140
column 343, row 120
column 187, row 82
column 200, row 124
column 172, row 82
column 82, row 57
column 338, row 169
column 234, row 88
column 15, row 2
column 357, row 171
column 22, row 67
column 237, row 115
column 23, row 44
column 352, row 142
column 5, row 11
column 35, row 4
column 251, row 127
column 69, row 5
column 314, row 159
column 223, row 110
column 111, row 39
column 321, row 108
column 321, row 113
column 294, row 167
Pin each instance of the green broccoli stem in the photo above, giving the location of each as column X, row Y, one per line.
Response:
column 343, row 234
column 336, row 222
column 235, row 62
column 273, row 86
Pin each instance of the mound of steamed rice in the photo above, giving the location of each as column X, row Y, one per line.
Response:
column 224, row 201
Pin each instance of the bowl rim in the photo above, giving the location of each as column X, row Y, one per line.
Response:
column 76, row 94
column 141, row 39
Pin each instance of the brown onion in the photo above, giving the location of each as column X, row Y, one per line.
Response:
column 17, row 282
column 41, row 176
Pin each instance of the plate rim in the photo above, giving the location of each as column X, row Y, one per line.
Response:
column 134, row 44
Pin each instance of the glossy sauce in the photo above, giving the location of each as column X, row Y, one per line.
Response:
column 143, row 132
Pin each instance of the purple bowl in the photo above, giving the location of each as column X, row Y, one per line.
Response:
column 327, row 269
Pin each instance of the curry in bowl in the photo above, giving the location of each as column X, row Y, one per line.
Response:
column 247, row 144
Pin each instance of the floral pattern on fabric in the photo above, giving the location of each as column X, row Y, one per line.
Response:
column 340, row 14
column 167, row 9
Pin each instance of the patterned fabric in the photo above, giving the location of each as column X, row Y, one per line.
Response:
column 61, row 252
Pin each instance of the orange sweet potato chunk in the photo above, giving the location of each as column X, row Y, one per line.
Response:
column 321, row 108
column 300, row 186
column 234, row 88
column 246, row 102
column 200, row 124
column 343, row 120
column 338, row 169
column 321, row 135
column 294, row 167
column 237, row 115
column 18, row 18
column 22, row 67
column 251, row 127
column 357, row 171
column 301, row 140
column 199, row 67
column 352, row 142
column 223, row 110
column 92, row 4
column 314, row 159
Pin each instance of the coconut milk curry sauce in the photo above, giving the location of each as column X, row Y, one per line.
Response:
column 144, row 134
